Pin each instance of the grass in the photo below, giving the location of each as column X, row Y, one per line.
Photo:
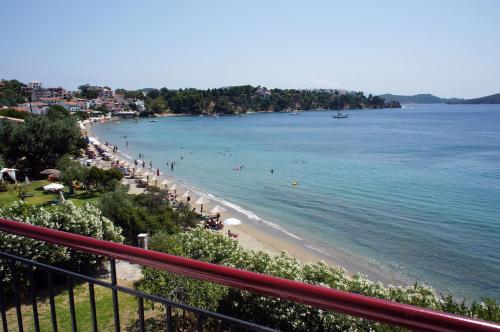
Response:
column 40, row 197
column 104, row 309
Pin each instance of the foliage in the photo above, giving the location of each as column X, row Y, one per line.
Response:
column 97, row 178
column 57, row 112
column 39, row 142
column 87, row 91
column 145, row 213
column 86, row 220
column 12, row 94
column 284, row 315
column 13, row 113
column 238, row 99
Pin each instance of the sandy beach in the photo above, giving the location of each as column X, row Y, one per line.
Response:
column 252, row 234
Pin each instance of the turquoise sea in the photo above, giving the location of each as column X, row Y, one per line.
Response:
column 415, row 191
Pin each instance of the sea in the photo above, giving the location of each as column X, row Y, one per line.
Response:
column 415, row 190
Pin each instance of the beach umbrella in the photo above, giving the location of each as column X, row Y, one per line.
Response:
column 26, row 180
column 153, row 178
column 201, row 200
column 53, row 187
column 217, row 209
column 232, row 221
column 50, row 171
column 165, row 182
column 186, row 194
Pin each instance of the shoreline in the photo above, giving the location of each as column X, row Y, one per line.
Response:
column 255, row 233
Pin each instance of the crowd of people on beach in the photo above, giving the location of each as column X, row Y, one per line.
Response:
column 143, row 180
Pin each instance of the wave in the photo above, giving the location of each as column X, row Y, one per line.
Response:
column 249, row 214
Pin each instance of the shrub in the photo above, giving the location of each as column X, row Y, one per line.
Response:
column 86, row 220
column 281, row 314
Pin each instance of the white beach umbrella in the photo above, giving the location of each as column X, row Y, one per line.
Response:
column 53, row 187
column 165, row 182
column 186, row 194
column 201, row 200
column 232, row 221
column 26, row 180
column 174, row 187
column 154, row 178
column 217, row 209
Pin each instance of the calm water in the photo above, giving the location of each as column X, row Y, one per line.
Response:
column 416, row 191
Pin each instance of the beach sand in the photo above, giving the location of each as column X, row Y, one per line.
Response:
column 254, row 234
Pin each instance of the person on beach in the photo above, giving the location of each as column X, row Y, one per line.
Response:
column 150, row 164
column 172, row 166
column 143, row 164
column 157, row 172
column 135, row 162
column 139, row 156
column 126, row 142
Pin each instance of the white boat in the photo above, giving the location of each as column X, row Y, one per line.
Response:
column 294, row 113
column 153, row 120
column 216, row 115
column 340, row 115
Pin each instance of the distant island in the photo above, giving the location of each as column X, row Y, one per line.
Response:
column 427, row 98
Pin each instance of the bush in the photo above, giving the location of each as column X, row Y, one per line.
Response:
column 145, row 213
column 280, row 314
column 86, row 220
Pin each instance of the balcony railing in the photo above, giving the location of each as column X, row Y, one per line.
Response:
column 383, row 311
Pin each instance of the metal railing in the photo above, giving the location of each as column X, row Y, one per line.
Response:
column 383, row 311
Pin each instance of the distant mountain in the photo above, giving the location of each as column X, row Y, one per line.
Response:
column 493, row 99
column 424, row 98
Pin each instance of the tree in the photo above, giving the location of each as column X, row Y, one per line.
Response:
column 71, row 171
column 158, row 105
column 39, row 142
column 57, row 112
column 12, row 93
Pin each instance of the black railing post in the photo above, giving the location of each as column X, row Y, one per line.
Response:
column 71, row 296
column 36, row 323
column 93, row 313
column 168, row 312
column 199, row 322
column 53, row 314
column 17, row 295
column 2, row 307
column 140, row 309
column 116, row 309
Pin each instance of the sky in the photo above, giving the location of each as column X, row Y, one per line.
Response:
column 450, row 48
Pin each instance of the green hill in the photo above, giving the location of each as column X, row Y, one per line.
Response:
column 424, row 98
column 492, row 99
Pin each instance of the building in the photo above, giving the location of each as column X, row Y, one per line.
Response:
column 35, row 85
column 104, row 93
column 35, row 107
column 263, row 92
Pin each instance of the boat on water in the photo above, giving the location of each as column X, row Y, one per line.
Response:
column 294, row 113
column 215, row 115
column 153, row 120
column 241, row 115
column 340, row 115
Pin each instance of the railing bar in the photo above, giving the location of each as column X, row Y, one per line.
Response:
column 71, row 296
column 36, row 323
column 324, row 298
column 138, row 294
column 53, row 314
column 140, row 309
column 93, row 313
column 17, row 295
column 168, row 314
column 2, row 307
column 116, row 309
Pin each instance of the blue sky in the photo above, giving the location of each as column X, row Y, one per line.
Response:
column 449, row 48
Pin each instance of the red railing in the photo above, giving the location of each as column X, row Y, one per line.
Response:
column 384, row 311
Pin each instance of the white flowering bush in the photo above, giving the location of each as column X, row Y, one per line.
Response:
column 67, row 217
column 284, row 315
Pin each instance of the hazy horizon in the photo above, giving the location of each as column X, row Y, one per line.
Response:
column 446, row 48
